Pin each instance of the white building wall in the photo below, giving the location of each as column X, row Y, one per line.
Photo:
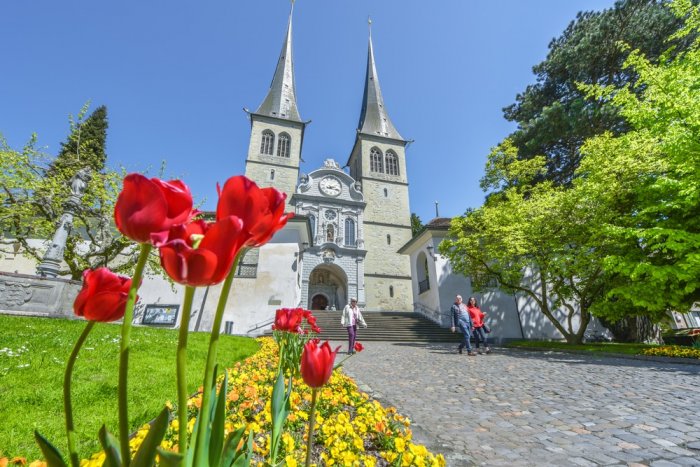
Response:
column 253, row 301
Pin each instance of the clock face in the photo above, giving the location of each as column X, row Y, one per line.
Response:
column 330, row 186
column 330, row 215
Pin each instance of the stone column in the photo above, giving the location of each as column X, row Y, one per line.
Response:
column 51, row 263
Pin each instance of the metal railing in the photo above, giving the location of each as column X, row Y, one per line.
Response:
column 423, row 286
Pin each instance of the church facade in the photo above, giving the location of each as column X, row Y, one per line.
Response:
column 359, row 219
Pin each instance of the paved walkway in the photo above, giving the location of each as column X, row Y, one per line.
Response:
column 528, row 408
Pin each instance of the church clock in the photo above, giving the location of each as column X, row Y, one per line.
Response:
column 330, row 186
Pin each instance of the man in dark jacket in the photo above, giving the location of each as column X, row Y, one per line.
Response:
column 461, row 320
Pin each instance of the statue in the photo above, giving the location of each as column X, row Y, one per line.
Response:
column 79, row 182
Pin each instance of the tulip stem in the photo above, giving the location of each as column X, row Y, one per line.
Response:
column 204, row 412
column 124, row 354
column 182, row 369
column 67, row 404
column 312, row 422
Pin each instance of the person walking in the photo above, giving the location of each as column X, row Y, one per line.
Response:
column 461, row 320
column 479, row 331
column 352, row 316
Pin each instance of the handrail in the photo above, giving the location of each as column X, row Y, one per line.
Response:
column 259, row 325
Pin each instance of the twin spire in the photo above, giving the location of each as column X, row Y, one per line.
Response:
column 281, row 101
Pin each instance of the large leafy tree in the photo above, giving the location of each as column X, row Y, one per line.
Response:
column 554, row 115
column 624, row 237
column 649, row 178
column 34, row 188
column 534, row 239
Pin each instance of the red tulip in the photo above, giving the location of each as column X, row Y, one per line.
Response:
column 145, row 207
column 288, row 319
column 358, row 347
column 211, row 261
column 260, row 209
column 317, row 363
column 103, row 296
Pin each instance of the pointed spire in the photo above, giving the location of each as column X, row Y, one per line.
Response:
column 373, row 119
column 281, row 99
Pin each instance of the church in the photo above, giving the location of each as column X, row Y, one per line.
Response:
column 358, row 220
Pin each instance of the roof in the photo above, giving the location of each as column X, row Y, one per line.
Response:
column 374, row 119
column 281, row 100
column 437, row 224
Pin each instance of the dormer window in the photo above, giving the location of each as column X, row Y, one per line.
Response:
column 267, row 142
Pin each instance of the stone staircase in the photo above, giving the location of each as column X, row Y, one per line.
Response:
column 390, row 326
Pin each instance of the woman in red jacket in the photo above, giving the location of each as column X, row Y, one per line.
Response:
column 477, row 317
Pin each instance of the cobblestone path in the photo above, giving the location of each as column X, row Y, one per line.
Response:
column 527, row 408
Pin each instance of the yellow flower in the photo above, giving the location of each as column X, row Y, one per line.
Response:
column 400, row 444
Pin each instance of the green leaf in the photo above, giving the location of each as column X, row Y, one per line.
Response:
column 194, row 447
column 146, row 455
column 244, row 460
column 169, row 458
column 216, row 440
column 231, row 452
column 110, row 444
column 51, row 454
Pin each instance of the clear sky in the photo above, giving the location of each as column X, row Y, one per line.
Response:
column 175, row 76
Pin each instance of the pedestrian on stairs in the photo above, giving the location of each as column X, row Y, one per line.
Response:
column 352, row 316
column 480, row 329
column 462, row 320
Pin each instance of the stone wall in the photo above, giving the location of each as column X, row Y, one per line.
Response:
column 23, row 294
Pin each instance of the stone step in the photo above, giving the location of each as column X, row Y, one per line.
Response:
column 388, row 326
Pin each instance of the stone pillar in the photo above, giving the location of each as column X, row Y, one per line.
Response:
column 51, row 263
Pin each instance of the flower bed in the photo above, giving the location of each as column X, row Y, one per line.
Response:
column 672, row 351
column 352, row 428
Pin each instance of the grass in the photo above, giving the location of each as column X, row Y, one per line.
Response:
column 33, row 354
column 605, row 347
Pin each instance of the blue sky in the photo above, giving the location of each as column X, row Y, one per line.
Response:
column 175, row 76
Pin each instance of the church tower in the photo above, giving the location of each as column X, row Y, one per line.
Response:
column 277, row 131
column 378, row 162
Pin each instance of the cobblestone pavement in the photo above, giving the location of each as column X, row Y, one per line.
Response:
column 527, row 408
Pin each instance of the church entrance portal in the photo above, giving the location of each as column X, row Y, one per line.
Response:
column 319, row 302
column 328, row 288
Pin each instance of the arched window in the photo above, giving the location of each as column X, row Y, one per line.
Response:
column 391, row 291
column 375, row 161
column 349, row 232
column 392, row 163
column 272, row 174
column 388, row 239
column 330, row 233
column 283, row 145
column 422, row 273
column 267, row 143
column 386, row 193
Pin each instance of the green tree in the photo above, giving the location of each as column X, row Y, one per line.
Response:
column 554, row 115
column 416, row 224
column 535, row 240
column 35, row 188
column 649, row 178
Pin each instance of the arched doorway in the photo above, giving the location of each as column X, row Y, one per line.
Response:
column 329, row 282
column 319, row 302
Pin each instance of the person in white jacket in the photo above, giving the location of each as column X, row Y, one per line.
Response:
column 352, row 316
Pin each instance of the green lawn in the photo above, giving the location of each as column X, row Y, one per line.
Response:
column 609, row 347
column 33, row 354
